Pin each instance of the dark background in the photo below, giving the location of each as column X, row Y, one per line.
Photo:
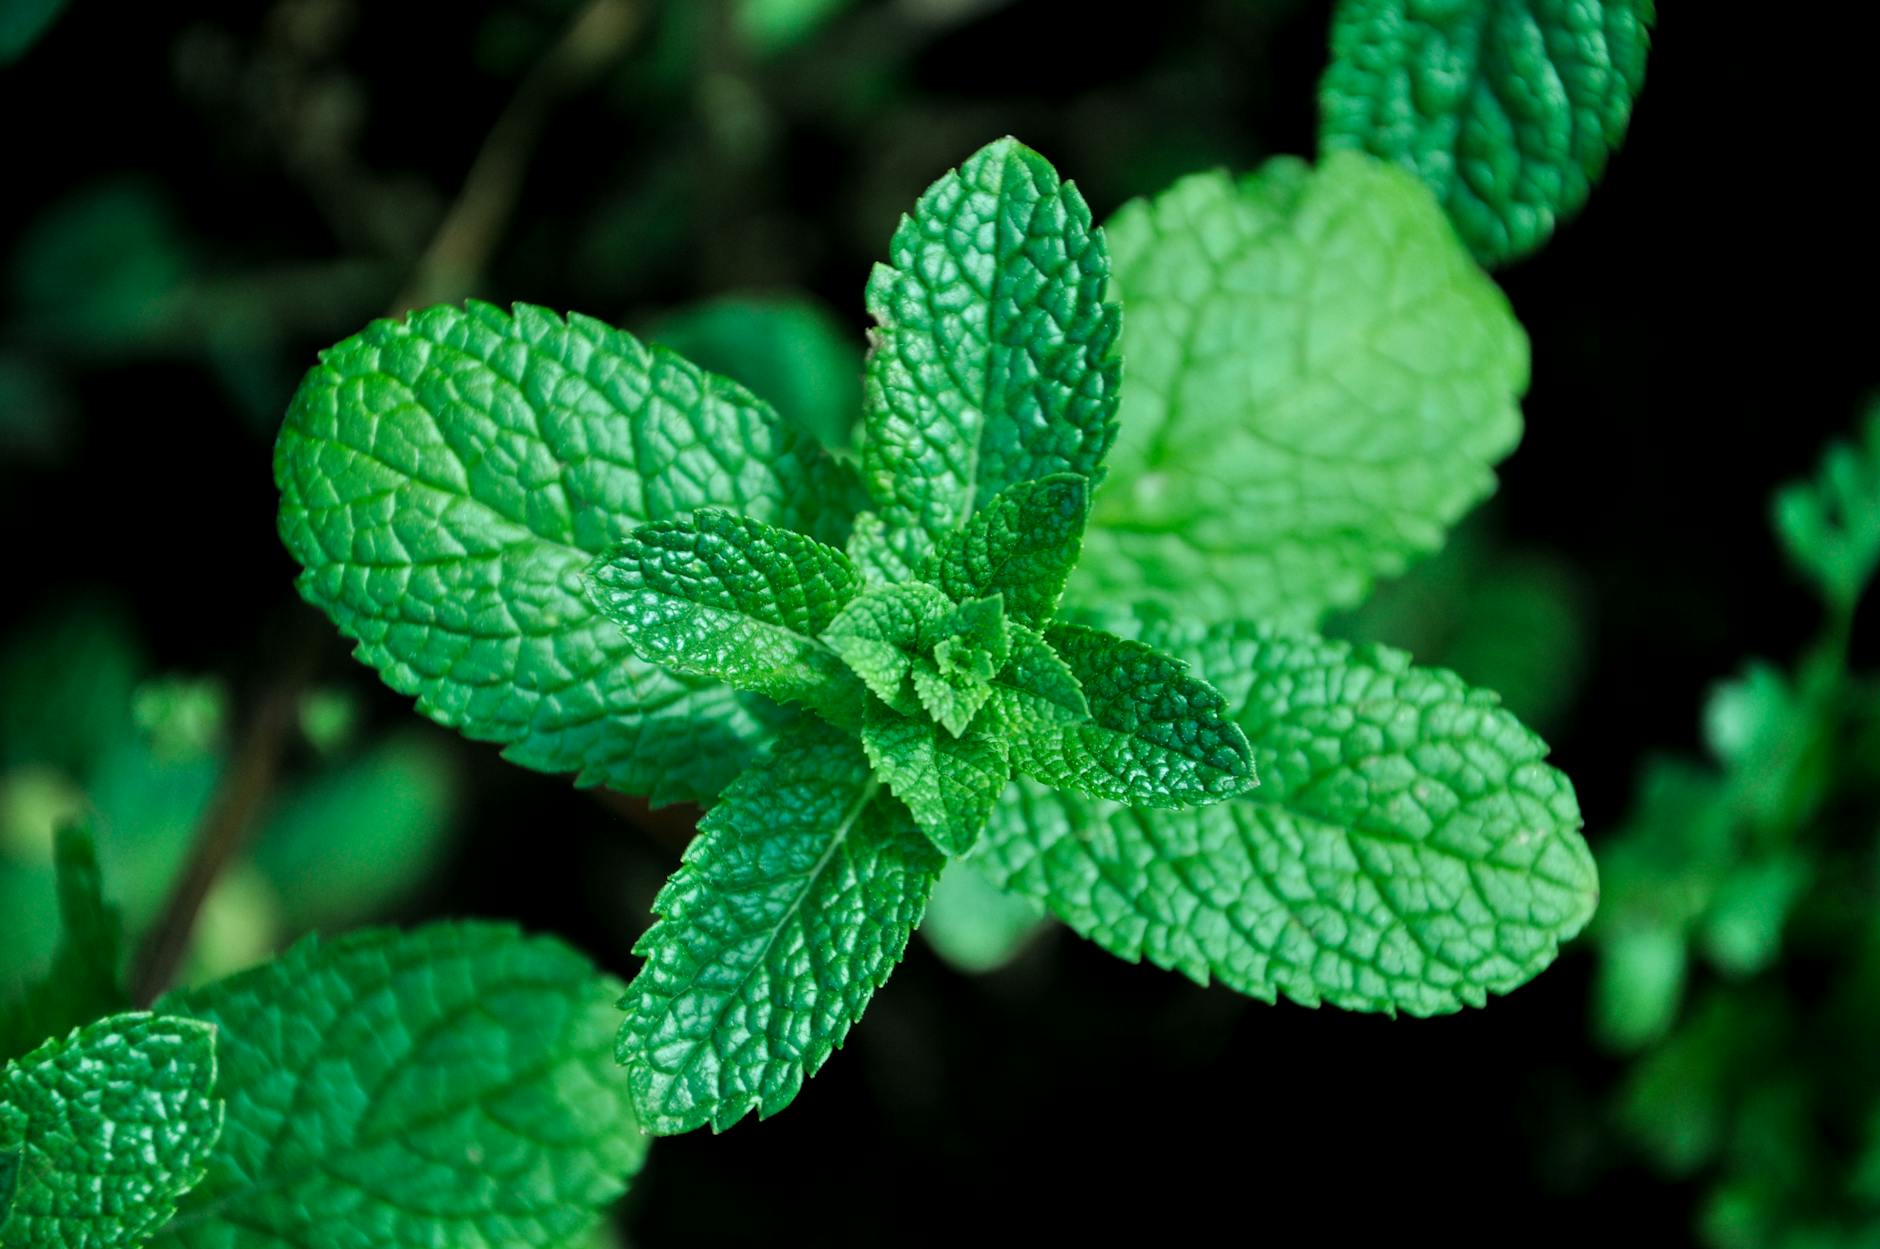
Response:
column 1697, row 334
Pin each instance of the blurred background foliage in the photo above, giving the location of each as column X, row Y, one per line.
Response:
column 206, row 194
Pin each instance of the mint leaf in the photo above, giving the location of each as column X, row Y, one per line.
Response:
column 995, row 362
column 1036, row 691
column 1407, row 848
column 786, row 349
column 792, row 906
column 949, row 780
column 85, row 979
column 1156, row 736
column 1508, row 109
column 1830, row 527
column 881, row 633
column 1021, row 546
column 955, row 682
column 447, row 1088
column 729, row 597
column 110, row 1126
column 445, row 479
column 1319, row 382
column 974, row 925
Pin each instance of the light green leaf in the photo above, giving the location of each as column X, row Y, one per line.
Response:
column 881, row 633
column 952, row 704
column 1830, row 527
column 725, row 596
column 788, row 350
column 792, row 906
column 85, row 980
column 111, row 1126
column 1156, row 736
column 445, row 480
column 1319, row 383
column 1021, row 545
column 1037, row 692
column 976, row 926
column 448, row 1088
column 949, row 780
column 955, row 681
column 1508, row 109
column 1407, row 848
column 996, row 358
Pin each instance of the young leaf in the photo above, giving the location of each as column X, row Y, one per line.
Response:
column 1506, row 108
column 1156, row 736
column 110, row 1127
column 85, row 979
column 725, row 596
column 950, row 781
column 952, row 704
column 445, row 479
column 1319, row 382
column 792, row 906
column 995, row 362
column 449, row 1087
column 1407, row 848
column 881, row 633
column 1021, row 545
column 1830, row 527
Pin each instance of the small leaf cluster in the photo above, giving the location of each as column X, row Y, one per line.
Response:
column 1732, row 875
column 1039, row 625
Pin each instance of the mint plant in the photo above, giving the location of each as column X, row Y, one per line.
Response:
column 619, row 565
column 1736, row 877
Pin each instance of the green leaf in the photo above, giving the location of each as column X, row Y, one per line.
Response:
column 976, row 926
column 996, row 358
column 445, row 480
column 792, row 906
column 22, row 22
column 1156, row 736
column 1830, row 527
column 111, row 1126
column 85, row 979
column 955, row 682
column 9, row 1183
column 787, row 350
column 1508, row 109
column 1036, row 692
column 952, row 704
column 949, row 780
column 725, row 596
column 1319, row 383
column 1021, row 545
column 1407, row 848
column 881, row 633
column 348, row 843
column 449, row 1088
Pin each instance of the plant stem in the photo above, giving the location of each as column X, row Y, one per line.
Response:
column 460, row 249
column 243, row 791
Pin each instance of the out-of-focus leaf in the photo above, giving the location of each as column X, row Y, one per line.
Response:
column 35, row 411
column 1640, row 986
column 975, row 925
column 85, row 981
column 1675, row 1103
column 772, row 26
column 1742, row 931
column 65, row 687
column 182, row 716
column 96, row 269
column 345, row 845
column 328, row 719
column 22, row 22
column 786, row 349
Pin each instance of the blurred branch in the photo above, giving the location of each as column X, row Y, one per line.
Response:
column 238, row 800
column 460, row 249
